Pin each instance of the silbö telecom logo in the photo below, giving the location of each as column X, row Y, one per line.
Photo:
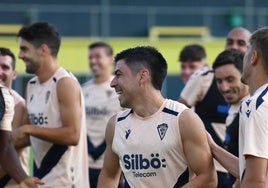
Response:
column 140, row 164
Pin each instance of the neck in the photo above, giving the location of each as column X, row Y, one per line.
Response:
column 255, row 87
column 47, row 70
column 257, row 81
column 148, row 105
column 101, row 79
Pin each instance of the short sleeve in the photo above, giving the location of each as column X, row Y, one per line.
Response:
column 256, row 142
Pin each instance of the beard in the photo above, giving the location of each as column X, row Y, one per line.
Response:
column 32, row 67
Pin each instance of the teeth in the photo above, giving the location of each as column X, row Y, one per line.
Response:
column 119, row 92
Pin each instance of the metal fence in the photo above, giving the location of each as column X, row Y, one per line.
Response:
column 107, row 20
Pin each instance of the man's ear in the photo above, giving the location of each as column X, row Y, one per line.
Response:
column 254, row 57
column 44, row 49
column 144, row 76
column 14, row 75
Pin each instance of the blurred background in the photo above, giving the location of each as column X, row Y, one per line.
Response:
column 166, row 24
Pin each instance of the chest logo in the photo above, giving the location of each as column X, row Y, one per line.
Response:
column 47, row 96
column 248, row 101
column 248, row 113
column 127, row 133
column 31, row 98
column 162, row 129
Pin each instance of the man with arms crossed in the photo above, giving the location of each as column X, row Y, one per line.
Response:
column 55, row 119
column 156, row 139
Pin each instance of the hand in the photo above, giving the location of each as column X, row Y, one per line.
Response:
column 211, row 142
column 19, row 135
column 31, row 182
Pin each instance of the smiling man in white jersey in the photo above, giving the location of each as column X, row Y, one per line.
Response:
column 55, row 118
column 228, row 67
column 156, row 139
column 252, row 165
column 101, row 104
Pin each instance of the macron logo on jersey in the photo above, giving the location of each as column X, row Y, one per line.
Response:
column 248, row 113
column 248, row 101
column 128, row 133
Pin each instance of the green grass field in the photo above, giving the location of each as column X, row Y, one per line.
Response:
column 73, row 54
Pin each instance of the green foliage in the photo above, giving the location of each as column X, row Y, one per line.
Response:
column 73, row 54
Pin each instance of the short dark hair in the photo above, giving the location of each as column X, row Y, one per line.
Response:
column 42, row 33
column 192, row 52
column 259, row 41
column 226, row 57
column 107, row 47
column 145, row 57
column 7, row 52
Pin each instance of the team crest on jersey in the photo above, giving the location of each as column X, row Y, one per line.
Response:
column 47, row 96
column 162, row 129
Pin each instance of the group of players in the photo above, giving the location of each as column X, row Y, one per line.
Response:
column 121, row 126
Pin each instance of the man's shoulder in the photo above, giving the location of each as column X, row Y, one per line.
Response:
column 124, row 114
column 17, row 97
column 33, row 80
column 260, row 97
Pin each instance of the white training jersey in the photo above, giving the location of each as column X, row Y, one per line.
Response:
column 253, row 128
column 232, row 113
column 17, row 97
column 24, row 154
column 150, row 149
column 101, row 103
column 59, row 166
column 197, row 86
column 6, row 109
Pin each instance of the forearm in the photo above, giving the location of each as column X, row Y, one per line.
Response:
column 226, row 159
column 208, row 181
column 61, row 135
column 11, row 164
column 2, row 172
column 105, row 181
column 20, row 143
column 253, row 183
